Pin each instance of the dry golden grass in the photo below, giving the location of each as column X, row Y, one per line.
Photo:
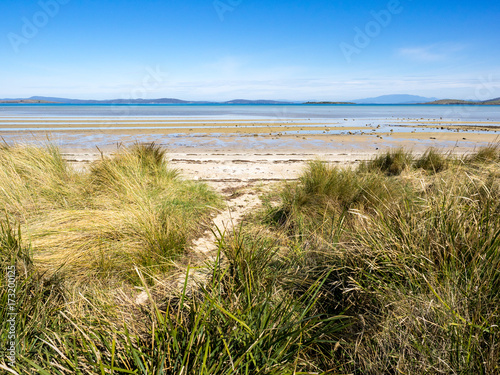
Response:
column 417, row 265
column 129, row 210
column 408, row 254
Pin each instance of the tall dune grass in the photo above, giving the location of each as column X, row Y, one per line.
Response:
column 355, row 271
column 128, row 210
column 420, row 270
column 392, row 162
column 242, row 321
column 488, row 154
column 35, row 179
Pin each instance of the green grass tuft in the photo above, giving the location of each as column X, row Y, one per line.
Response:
column 392, row 163
column 432, row 161
column 326, row 192
column 486, row 154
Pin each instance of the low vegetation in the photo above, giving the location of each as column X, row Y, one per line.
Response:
column 130, row 209
column 392, row 267
column 392, row 163
column 414, row 259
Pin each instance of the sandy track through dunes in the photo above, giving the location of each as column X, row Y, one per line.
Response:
column 236, row 208
column 204, row 250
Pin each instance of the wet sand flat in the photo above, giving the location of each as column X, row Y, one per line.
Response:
column 244, row 150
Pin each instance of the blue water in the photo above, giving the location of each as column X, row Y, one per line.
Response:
column 270, row 112
column 49, row 121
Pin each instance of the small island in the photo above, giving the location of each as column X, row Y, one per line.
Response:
column 26, row 101
column 329, row 103
column 465, row 102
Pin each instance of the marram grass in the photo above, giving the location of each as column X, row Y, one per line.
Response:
column 419, row 270
column 129, row 210
column 352, row 271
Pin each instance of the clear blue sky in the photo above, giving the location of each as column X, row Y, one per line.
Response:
column 227, row 49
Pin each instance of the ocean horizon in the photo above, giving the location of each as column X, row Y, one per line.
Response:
column 258, row 111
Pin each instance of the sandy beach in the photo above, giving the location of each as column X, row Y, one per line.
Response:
column 247, row 150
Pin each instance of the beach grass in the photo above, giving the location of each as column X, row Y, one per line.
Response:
column 128, row 210
column 389, row 267
column 432, row 161
column 393, row 162
column 418, row 268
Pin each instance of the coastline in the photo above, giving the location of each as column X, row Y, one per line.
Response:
column 237, row 147
column 245, row 150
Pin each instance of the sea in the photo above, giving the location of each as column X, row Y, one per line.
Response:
column 89, row 124
column 257, row 111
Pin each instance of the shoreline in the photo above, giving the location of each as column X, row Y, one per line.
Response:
column 245, row 150
column 236, row 166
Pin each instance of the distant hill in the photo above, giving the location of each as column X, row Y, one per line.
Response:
column 24, row 101
column 465, row 102
column 492, row 101
column 329, row 103
column 245, row 101
column 115, row 101
column 45, row 99
column 451, row 102
column 394, row 99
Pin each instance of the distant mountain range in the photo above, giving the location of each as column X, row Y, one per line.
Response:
column 329, row 103
column 46, row 100
column 244, row 101
column 495, row 101
column 384, row 99
column 394, row 99
column 413, row 99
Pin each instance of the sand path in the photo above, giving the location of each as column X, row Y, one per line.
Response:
column 237, row 206
column 239, row 201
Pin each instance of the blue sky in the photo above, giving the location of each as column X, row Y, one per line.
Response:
column 227, row 49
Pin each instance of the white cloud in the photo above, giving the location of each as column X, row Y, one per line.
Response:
column 430, row 53
column 482, row 83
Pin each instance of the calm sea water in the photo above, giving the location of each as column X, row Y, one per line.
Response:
column 48, row 119
column 274, row 112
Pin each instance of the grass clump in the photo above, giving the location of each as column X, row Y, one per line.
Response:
column 419, row 269
column 325, row 192
column 432, row 161
column 139, row 166
column 442, row 252
column 486, row 154
column 241, row 322
column 128, row 210
column 393, row 162
column 35, row 179
column 29, row 303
